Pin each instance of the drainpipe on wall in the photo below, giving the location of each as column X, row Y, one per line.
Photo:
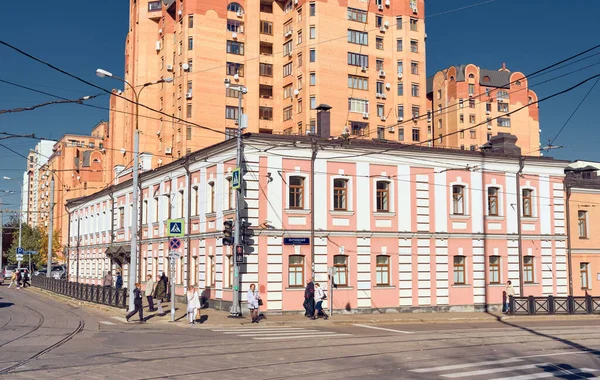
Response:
column 112, row 223
column 139, row 231
column 188, row 239
column 568, row 216
column 68, row 242
column 520, row 239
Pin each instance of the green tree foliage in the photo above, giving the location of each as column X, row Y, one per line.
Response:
column 33, row 239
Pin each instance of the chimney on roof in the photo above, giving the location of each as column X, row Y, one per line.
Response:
column 503, row 143
column 323, row 121
column 503, row 67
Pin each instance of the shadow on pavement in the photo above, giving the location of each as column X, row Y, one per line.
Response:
column 6, row 304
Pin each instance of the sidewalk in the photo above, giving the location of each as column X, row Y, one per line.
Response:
column 214, row 318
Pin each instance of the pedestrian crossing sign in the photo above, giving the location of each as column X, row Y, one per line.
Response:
column 235, row 178
column 175, row 227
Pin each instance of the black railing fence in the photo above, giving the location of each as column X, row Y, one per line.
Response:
column 105, row 295
column 553, row 305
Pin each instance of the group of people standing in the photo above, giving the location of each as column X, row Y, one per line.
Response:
column 154, row 291
column 18, row 279
column 314, row 296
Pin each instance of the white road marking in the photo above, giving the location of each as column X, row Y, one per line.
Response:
column 465, row 365
column 241, row 330
column 557, row 354
column 557, row 373
column 335, row 335
column 106, row 323
column 290, row 333
column 495, row 370
column 383, row 329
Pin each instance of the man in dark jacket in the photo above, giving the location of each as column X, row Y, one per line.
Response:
column 119, row 282
column 26, row 278
column 309, row 299
column 137, row 302
column 160, row 292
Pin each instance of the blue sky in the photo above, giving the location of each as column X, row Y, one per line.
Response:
column 80, row 36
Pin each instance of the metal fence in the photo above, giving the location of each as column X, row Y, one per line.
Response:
column 105, row 295
column 553, row 305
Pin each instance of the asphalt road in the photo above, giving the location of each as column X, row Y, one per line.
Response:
column 41, row 338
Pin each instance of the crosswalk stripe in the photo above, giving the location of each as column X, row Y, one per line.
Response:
column 383, row 329
column 556, row 373
column 335, row 335
column 267, row 332
column 106, row 323
column 495, row 370
column 258, row 329
column 465, row 365
column 120, row 319
column 290, row 333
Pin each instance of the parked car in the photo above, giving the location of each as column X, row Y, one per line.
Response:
column 40, row 272
column 59, row 272
column 8, row 271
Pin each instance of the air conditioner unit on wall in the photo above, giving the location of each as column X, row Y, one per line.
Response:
column 168, row 150
column 169, row 67
column 365, row 115
column 381, row 73
column 380, row 7
column 188, row 95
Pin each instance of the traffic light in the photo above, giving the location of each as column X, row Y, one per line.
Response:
column 228, row 232
column 246, row 234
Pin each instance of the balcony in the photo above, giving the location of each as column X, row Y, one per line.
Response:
column 154, row 9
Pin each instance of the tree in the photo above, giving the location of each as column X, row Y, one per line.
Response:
column 7, row 236
column 31, row 240
column 57, row 254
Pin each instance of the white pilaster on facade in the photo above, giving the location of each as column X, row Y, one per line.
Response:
column 275, row 273
column 202, row 264
column 479, row 289
column 545, row 205
column 405, row 272
column 219, row 272
column 441, row 201
column 424, row 271
column 201, row 205
column 363, row 209
column 252, row 191
column 363, row 272
column 561, row 268
column 274, row 192
column 547, row 268
column 423, row 203
column 320, row 260
column 320, row 206
column 477, row 195
column 512, row 249
column 511, row 205
column 405, row 201
column 558, row 199
column 441, row 272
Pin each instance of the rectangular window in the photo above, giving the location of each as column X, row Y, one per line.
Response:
column 191, row 43
column 154, row 6
column 527, row 203
column 190, row 21
column 382, row 270
column 399, row 44
column 230, row 133
column 582, row 223
column 121, row 217
column 414, row 24
column 414, row 68
column 231, row 93
column 383, row 196
column 458, row 200
column 340, row 265
column 414, row 90
column 379, row 64
column 231, row 112
column 266, row 27
column 400, row 134
column 296, row 271
column 378, row 21
column 265, row 92
column 400, row 89
column 188, row 133
column 312, row 55
column 296, row 193
column 358, row 128
column 287, row 91
column 379, row 43
column 459, row 270
column 380, row 132
column 358, row 37
column 311, row 9
column 357, row 15
column 313, row 32
column 494, row 269
column 461, row 119
column 313, row 103
column 493, row 201
column 503, row 122
column 415, row 112
column 584, row 273
column 340, row 194
column 528, row 276
column 471, row 103
column 313, row 79
column 379, row 87
column 266, row 70
column 359, row 83
column 235, row 26
column 188, row 110
column 399, row 23
column 287, row 69
column 488, row 108
column 416, row 134
column 473, row 133
column 299, row 39
column 265, row 113
column 502, row 107
column 471, row 89
column 235, row 68
column 358, row 105
column 287, row 48
column 358, row 60
column 287, row 113
column 472, row 119
column 414, row 46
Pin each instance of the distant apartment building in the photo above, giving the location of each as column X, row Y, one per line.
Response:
column 582, row 185
column 36, row 159
column 462, row 97
column 365, row 59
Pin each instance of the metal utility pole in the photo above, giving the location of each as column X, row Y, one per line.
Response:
column 568, row 217
column 520, row 240
column 1, row 235
column 239, row 201
column 50, row 228
column 78, row 243
column 68, row 244
column 313, row 157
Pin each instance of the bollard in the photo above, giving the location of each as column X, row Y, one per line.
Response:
column 531, row 304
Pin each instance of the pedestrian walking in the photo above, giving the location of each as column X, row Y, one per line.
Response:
column 119, row 282
column 137, row 303
column 26, row 278
column 319, row 297
column 149, row 291
column 13, row 279
column 193, row 304
column 19, row 278
column 253, row 299
column 510, row 292
column 107, row 280
column 160, row 292
column 309, row 299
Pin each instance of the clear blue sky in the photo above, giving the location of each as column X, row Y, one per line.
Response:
column 80, row 36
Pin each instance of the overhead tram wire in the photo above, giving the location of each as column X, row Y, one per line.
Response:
column 31, row 108
column 22, row 52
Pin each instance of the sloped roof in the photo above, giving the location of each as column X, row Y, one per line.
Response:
column 498, row 78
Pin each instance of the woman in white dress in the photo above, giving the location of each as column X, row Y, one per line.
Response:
column 253, row 298
column 193, row 304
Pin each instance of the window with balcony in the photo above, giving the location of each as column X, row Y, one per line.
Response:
column 358, row 37
column 266, row 70
column 355, row 59
column 233, row 68
column 265, row 113
column 358, row 128
column 357, row 15
column 266, row 27
column 502, row 95
column 358, row 105
column 503, row 122
column 358, row 83
column 266, row 92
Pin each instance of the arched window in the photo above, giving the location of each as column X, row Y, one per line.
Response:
column 486, row 78
column 471, row 76
column 235, row 7
column 451, row 78
column 518, row 83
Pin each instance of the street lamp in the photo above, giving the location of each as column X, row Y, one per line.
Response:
column 20, row 215
column 133, row 264
column 235, row 308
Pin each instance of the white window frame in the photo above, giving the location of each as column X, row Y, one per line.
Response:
column 349, row 199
